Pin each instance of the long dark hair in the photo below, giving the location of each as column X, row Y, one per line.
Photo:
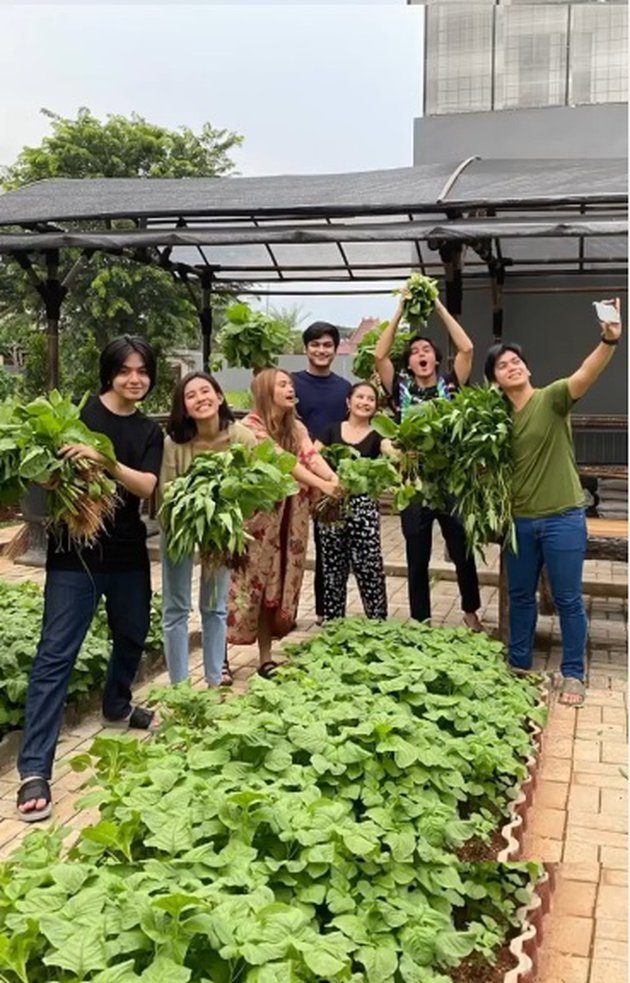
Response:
column 180, row 427
column 113, row 356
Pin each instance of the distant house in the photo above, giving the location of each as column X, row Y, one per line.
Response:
column 348, row 346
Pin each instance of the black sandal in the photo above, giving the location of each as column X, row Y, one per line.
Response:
column 268, row 669
column 140, row 718
column 30, row 790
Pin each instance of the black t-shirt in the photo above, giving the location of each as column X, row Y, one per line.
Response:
column 138, row 444
column 370, row 446
column 321, row 400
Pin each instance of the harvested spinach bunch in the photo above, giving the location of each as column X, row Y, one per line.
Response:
column 207, row 508
column 81, row 495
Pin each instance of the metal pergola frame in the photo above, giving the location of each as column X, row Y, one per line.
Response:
column 475, row 219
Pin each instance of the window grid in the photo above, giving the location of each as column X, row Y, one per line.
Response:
column 530, row 58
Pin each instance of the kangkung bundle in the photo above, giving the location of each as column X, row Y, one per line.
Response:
column 456, row 455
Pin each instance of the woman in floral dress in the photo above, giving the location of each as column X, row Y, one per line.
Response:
column 264, row 597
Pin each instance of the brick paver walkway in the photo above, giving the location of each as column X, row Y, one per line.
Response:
column 579, row 817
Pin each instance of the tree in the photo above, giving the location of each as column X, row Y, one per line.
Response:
column 111, row 295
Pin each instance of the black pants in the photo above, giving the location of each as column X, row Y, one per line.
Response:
column 318, row 579
column 70, row 601
column 354, row 543
column 417, row 526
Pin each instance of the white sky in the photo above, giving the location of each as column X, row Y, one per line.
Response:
column 312, row 87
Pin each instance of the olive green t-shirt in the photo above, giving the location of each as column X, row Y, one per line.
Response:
column 545, row 480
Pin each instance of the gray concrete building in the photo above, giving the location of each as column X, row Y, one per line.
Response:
column 534, row 80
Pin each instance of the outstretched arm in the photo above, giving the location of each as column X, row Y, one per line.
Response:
column 382, row 361
column 595, row 363
column 463, row 344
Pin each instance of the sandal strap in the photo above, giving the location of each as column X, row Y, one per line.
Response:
column 268, row 668
column 141, row 718
column 33, row 788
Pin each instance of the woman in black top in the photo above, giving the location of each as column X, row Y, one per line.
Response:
column 355, row 543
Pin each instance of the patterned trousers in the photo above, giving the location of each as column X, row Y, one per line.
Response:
column 354, row 544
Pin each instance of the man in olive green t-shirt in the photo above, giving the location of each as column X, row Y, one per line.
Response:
column 548, row 502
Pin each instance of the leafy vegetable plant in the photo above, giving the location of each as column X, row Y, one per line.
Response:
column 251, row 339
column 357, row 476
column 422, row 293
column 80, row 495
column 306, row 832
column 22, row 608
column 207, row 507
column 363, row 363
column 457, row 453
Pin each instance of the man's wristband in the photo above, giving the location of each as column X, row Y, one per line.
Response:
column 609, row 341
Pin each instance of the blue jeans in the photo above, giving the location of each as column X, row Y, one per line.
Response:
column 70, row 600
column 176, row 599
column 558, row 542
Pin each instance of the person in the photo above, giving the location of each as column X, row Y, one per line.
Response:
column 356, row 541
column 116, row 567
column 200, row 420
column 548, row 503
column 264, row 597
column 422, row 380
column 321, row 400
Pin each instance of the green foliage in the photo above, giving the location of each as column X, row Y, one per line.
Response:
column 307, row 831
column 239, row 399
column 253, row 340
column 9, row 383
column 111, row 295
column 357, row 476
column 80, row 495
column 421, row 293
column 459, row 449
column 363, row 363
column 207, row 507
column 22, row 608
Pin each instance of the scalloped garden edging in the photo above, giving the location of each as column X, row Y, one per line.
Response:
column 526, row 947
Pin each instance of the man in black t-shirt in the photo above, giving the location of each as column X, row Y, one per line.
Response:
column 321, row 400
column 116, row 567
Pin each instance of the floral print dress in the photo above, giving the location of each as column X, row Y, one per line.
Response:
column 277, row 557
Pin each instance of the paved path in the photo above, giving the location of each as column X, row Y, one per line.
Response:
column 579, row 818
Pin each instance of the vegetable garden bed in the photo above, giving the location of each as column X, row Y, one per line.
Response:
column 307, row 831
column 22, row 606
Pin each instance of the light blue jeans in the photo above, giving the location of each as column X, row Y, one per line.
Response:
column 558, row 541
column 176, row 601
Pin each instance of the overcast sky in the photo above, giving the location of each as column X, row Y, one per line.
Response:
column 312, row 87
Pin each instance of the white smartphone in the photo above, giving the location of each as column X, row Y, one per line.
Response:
column 606, row 312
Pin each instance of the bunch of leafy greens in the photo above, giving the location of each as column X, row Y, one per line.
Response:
column 81, row 496
column 251, row 339
column 308, row 831
column 363, row 363
column 357, row 476
column 459, row 450
column 22, row 608
column 207, row 508
column 422, row 293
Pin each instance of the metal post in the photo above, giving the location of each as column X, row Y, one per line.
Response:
column 205, row 318
column 53, row 293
